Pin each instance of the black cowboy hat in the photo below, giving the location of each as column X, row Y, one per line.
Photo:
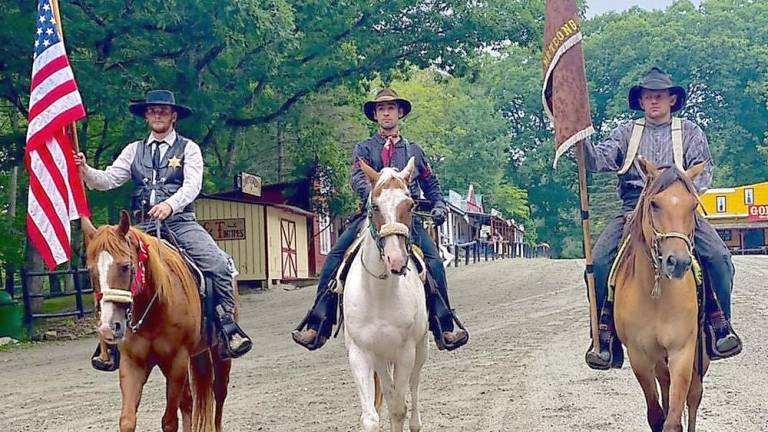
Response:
column 159, row 97
column 386, row 95
column 657, row 79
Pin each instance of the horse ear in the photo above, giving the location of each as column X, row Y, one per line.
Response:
column 647, row 167
column 409, row 170
column 695, row 170
column 125, row 222
column 88, row 229
column 371, row 173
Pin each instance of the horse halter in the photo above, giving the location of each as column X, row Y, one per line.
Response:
column 138, row 282
column 386, row 230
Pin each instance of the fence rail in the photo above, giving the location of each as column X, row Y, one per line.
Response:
column 78, row 293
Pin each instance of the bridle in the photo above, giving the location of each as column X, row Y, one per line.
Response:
column 656, row 240
column 138, row 283
column 379, row 234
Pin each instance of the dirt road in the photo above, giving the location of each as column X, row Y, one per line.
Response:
column 522, row 371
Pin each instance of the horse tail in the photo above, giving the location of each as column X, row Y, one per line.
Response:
column 377, row 396
column 201, row 379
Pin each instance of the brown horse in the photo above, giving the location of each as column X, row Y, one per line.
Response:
column 656, row 307
column 150, row 308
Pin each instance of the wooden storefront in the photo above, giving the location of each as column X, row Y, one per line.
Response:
column 740, row 216
column 268, row 242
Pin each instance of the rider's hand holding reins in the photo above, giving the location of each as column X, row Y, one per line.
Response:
column 160, row 211
column 438, row 215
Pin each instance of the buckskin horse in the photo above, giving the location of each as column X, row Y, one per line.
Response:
column 151, row 309
column 656, row 303
column 385, row 327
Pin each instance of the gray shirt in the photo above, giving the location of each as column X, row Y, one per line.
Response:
column 656, row 146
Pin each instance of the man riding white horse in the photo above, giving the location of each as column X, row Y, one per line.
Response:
column 665, row 141
column 386, row 149
column 167, row 173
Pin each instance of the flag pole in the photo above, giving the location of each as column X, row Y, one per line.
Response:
column 584, row 198
column 71, row 130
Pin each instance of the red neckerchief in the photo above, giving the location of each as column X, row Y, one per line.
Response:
column 389, row 146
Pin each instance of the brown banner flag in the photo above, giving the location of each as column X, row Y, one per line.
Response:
column 564, row 94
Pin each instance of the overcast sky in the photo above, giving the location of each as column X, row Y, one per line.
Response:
column 597, row 7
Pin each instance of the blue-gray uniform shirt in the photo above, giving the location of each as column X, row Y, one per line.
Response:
column 656, row 146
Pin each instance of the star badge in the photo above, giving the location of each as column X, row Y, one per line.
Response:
column 174, row 162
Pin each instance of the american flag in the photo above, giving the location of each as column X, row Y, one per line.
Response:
column 56, row 194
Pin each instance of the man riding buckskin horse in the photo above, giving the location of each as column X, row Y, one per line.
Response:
column 386, row 149
column 665, row 141
column 167, row 173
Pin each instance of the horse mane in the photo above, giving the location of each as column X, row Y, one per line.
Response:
column 639, row 217
column 161, row 262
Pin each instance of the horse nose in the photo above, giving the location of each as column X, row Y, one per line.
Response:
column 118, row 330
column 675, row 266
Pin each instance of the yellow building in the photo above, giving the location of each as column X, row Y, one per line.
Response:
column 740, row 216
column 268, row 241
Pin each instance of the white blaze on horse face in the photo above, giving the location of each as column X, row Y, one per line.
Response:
column 110, row 313
column 395, row 256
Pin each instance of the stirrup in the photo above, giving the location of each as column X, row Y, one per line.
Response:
column 229, row 331
column 114, row 355
column 711, row 343
column 437, row 332
column 319, row 340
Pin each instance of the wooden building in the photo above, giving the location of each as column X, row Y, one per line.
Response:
column 269, row 230
column 740, row 216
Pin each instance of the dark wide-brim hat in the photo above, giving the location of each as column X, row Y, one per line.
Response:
column 386, row 95
column 159, row 97
column 657, row 79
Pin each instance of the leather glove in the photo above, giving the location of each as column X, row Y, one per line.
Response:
column 438, row 215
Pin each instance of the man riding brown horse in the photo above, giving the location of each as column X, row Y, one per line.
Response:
column 167, row 173
column 665, row 141
column 387, row 148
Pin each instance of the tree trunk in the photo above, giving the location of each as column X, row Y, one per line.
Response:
column 280, row 153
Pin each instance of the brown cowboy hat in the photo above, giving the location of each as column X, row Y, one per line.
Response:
column 158, row 97
column 386, row 95
column 656, row 79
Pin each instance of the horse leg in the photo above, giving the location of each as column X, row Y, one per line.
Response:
column 176, row 376
column 186, row 407
column 132, row 379
column 362, row 370
column 680, row 372
column 662, row 375
column 643, row 368
column 401, row 376
column 694, row 396
column 421, row 358
column 222, row 368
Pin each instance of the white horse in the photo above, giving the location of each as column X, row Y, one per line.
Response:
column 385, row 312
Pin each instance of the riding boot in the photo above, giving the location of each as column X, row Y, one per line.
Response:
column 316, row 327
column 105, row 361
column 610, row 354
column 441, row 319
column 234, row 342
column 722, row 341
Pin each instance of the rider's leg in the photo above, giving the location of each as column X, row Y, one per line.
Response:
column 603, row 254
column 449, row 338
column 211, row 260
column 719, row 271
column 318, row 324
